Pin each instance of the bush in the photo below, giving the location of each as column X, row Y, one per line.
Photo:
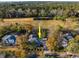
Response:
column 60, row 18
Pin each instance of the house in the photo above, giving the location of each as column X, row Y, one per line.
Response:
column 44, row 46
column 9, row 39
column 65, row 37
column 68, row 36
column 64, row 42
column 34, row 39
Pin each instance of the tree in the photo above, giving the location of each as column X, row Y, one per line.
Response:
column 77, row 38
column 72, row 46
column 20, row 13
column 11, row 13
column 28, row 12
column 3, row 30
column 42, row 13
column 34, row 12
column 71, row 12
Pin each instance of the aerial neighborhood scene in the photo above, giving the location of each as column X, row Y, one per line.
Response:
column 39, row 29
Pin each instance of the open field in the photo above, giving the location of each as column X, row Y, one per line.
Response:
column 50, row 24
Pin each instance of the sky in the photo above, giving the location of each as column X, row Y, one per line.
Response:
column 35, row 0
